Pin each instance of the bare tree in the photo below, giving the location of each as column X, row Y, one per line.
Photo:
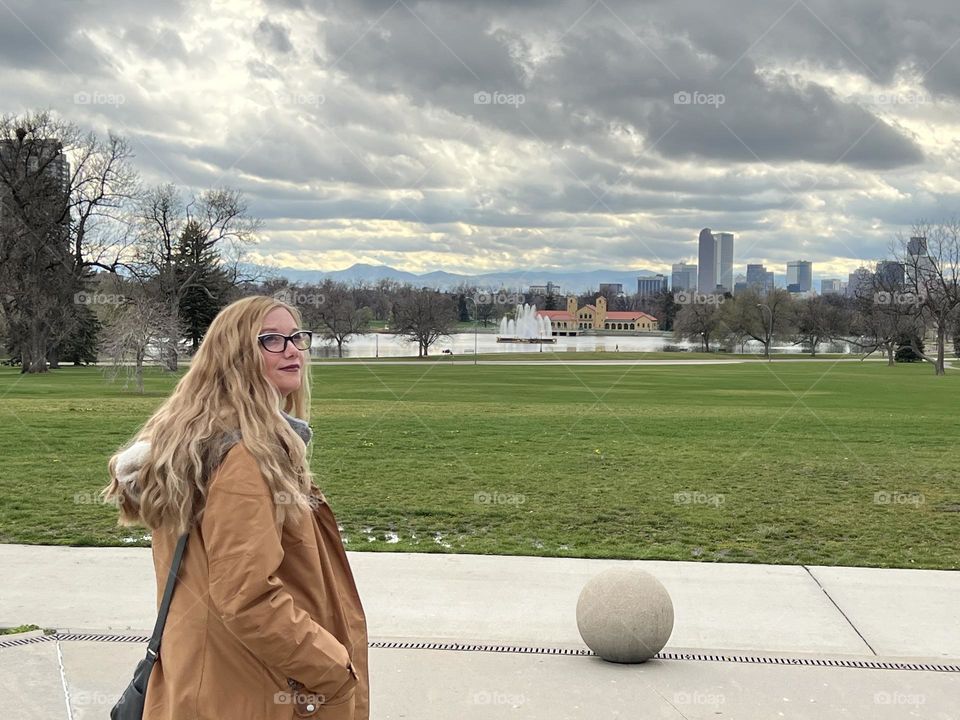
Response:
column 61, row 196
column 816, row 319
column 134, row 328
column 761, row 318
column 331, row 309
column 883, row 312
column 701, row 321
column 931, row 261
column 424, row 316
column 216, row 219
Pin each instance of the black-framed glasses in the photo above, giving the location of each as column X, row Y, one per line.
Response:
column 277, row 342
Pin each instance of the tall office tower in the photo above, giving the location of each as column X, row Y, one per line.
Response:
column 890, row 275
column 715, row 261
column 860, row 281
column 650, row 285
column 800, row 275
column 919, row 264
column 757, row 278
column 830, row 287
column 684, row 277
column 724, row 260
column 706, row 262
column 41, row 170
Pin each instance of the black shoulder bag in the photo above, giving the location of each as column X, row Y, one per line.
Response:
column 130, row 705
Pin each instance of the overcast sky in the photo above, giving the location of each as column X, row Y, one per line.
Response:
column 474, row 136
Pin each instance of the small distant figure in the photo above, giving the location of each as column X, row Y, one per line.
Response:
column 616, row 348
column 447, row 351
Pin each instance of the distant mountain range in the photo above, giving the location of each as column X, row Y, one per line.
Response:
column 569, row 282
column 511, row 280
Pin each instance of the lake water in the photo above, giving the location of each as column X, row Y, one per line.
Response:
column 390, row 345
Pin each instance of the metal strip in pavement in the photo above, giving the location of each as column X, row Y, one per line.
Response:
column 535, row 650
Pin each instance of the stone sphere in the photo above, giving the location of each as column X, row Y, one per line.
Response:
column 625, row 615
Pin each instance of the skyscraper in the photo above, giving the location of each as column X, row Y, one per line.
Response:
column 684, row 277
column 41, row 170
column 706, row 262
column 800, row 274
column 724, row 260
column 890, row 275
column 715, row 256
column 831, row 286
column 859, row 282
column 650, row 285
column 919, row 266
column 759, row 278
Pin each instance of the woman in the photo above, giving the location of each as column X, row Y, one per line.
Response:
column 265, row 620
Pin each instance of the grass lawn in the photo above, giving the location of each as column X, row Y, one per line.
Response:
column 755, row 462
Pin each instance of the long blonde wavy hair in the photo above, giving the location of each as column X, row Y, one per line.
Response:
column 224, row 392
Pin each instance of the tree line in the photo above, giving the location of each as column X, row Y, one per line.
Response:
column 96, row 265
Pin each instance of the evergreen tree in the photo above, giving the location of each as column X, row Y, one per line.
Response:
column 80, row 345
column 204, row 284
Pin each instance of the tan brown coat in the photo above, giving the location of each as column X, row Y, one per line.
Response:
column 263, row 621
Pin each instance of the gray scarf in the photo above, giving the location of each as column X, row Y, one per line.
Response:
column 300, row 427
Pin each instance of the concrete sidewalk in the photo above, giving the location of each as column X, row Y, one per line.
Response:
column 520, row 612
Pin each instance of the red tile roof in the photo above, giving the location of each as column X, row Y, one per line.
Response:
column 615, row 315
column 556, row 314
column 628, row 315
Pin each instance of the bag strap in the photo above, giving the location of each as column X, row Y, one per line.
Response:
column 154, row 646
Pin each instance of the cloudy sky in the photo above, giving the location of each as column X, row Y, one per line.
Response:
column 474, row 136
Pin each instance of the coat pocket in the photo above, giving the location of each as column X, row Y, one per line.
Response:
column 313, row 707
column 343, row 710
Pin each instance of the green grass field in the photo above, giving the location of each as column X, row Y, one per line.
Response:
column 772, row 463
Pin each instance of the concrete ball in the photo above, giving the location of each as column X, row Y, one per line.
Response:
column 625, row 615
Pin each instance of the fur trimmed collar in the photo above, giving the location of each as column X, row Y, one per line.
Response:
column 133, row 458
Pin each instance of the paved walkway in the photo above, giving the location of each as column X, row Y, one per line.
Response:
column 750, row 641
